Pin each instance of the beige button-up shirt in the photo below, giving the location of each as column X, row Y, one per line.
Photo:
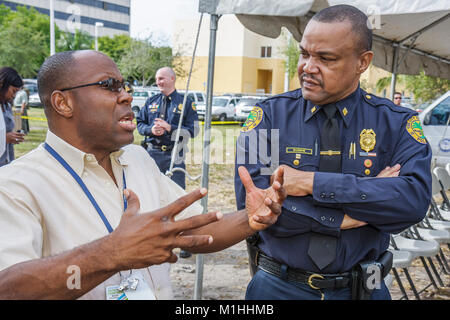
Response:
column 43, row 210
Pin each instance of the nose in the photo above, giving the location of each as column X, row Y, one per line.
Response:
column 125, row 97
column 308, row 65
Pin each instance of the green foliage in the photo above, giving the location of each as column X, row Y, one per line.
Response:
column 426, row 88
column 23, row 40
column 292, row 52
column 114, row 47
column 80, row 40
column 142, row 60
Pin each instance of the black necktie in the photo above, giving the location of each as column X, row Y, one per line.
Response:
column 322, row 248
column 163, row 107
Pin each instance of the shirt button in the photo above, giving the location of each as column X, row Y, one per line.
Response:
column 332, row 195
column 294, row 208
column 323, row 195
column 332, row 219
column 363, row 196
column 322, row 218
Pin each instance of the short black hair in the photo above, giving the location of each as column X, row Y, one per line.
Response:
column 53, row 74
column 8, row 77
column 357, row 19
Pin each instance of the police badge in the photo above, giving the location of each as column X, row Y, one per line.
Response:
column 367, row 139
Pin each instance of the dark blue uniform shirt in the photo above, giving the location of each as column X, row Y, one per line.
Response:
column 388, row 205
column 151, row 110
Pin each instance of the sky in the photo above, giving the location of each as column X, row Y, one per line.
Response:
column 156, row 17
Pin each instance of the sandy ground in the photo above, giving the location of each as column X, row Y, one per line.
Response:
column 226, row 273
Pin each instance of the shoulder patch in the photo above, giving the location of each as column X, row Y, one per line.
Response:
column 253, row 120
column 414, row 128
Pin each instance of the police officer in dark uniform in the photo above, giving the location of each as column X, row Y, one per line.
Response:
column 356, row 169
column 158, row 121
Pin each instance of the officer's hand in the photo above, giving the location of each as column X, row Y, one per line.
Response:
column 296, row 182
column 263, row 205
column 144, row 239
column 163, row 124
column 350, row 223
column 390, row 172
column 157, row 130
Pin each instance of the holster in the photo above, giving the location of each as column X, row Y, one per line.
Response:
column 144, row 144
column 367, row 276
column 252, row 250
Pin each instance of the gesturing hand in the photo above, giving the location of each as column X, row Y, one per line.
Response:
column 141, row 240
column 263, row 205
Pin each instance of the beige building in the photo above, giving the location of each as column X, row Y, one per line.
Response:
column 245, row 61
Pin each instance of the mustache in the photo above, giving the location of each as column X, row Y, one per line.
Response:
column 309, row 77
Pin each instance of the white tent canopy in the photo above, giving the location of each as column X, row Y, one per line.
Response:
column 420, row 28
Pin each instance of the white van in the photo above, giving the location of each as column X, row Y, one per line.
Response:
column 435, row 122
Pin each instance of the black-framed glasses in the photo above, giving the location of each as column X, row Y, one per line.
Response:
column 111, row 84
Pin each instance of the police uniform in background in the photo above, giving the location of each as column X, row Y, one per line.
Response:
column 374, row 134
column 160, row 147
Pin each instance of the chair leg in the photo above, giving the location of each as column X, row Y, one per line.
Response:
column 444, row 260
column 400, row 284
column 411, row 283
column 436, row 273
column 429, row 273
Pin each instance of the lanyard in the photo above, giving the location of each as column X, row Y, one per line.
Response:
column 83, row 186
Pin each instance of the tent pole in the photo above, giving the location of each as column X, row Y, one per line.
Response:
column 206, row 144
column 394, row 71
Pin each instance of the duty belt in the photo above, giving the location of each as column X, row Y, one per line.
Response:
column 314, row 280
column 161, row 147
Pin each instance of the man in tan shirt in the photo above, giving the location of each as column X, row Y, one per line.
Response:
column 67, row 206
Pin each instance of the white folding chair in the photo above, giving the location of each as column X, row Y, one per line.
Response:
column 422, row 249
column 436, row 212
column 447, row 167
column 403, row 259
column 444, row 181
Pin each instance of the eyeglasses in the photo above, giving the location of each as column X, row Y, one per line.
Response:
column 396, row 98
column 111, row 84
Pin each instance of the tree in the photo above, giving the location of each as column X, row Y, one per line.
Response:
column 80, row 40
column 23, row 44
column 115, row 47
column 142, row 60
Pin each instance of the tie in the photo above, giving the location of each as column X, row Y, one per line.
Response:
column 162, row 110
column 322, row 248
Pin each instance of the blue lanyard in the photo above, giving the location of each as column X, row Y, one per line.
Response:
column 83, row 186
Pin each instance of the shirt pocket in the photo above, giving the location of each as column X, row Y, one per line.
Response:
column 299, row 158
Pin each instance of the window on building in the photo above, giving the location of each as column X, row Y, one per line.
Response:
column 266, row 52
column 105, row 6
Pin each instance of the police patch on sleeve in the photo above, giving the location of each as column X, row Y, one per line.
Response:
column 253, row 120
column 414, row 128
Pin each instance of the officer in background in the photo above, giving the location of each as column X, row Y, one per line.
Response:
column 356, row 169
column 158, row 122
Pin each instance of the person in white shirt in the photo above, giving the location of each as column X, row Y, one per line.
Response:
column 88, row 203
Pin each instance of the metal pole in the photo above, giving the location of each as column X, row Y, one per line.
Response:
column 52, row 29
column 206, row 144
column 394, row 71
column 97, row 25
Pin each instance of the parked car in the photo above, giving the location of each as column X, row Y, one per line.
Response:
column 435, row 121
column 245, row 105
column 140, row 96
column 197, row 96
column 31, row 86
column 222, row 109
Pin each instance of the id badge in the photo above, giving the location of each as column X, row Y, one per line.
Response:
column 142, row 292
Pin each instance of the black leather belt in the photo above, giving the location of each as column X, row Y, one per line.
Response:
column 314, row 280
column 161, row 147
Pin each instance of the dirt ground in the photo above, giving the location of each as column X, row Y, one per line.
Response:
column 226, row 273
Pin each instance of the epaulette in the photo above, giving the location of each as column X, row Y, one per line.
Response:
column 294, row 94
column 379, row 101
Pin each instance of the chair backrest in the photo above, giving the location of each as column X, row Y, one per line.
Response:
column 435, row 186
column 447, row 167
column 443, row 176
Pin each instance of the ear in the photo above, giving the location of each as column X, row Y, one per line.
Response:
column 61, row 104
column 364, row 61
